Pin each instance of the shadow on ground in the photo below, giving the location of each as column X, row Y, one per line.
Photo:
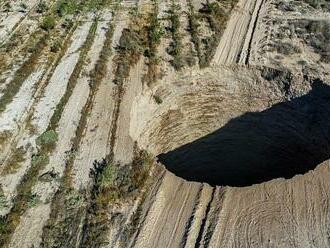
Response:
column 287, row 139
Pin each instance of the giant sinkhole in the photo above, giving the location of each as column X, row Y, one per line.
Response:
column 285, row 139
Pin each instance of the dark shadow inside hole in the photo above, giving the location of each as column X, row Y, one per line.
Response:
column 287, row 139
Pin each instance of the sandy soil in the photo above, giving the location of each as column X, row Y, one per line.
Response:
column 123, row 148
column 13, row 19
column 66, row 130
column 237, row 33
column 95, row 143
column 45, row 107
column 16, row 109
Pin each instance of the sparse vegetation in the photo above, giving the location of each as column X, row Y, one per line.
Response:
column 3, row 202
column 33, row 201
column 48, row 23
column 9, row 222
column 7, row 7
column 22, row 74
column 193, row 29
column 217, row 15
column 4, row 136
column 41, row 7
column 67, row 7
column 157, row 99
column 100, row 69
column 297, row 5
column 47, row 140
column 23, row 7
column 14, row 161
column 46, row 143
column 113, row 184
column 56, row 46
column 39, row 160
column 175, row 48
column 316, row 34
column 69, row 205
column 155, row 32
column 286, row 48
column 323, row 4
column 72, row 7
column 132, row 44
column 73, row 79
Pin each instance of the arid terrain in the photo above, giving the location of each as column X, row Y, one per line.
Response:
column 164, row 124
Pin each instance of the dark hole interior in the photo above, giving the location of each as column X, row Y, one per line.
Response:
column 287, row 139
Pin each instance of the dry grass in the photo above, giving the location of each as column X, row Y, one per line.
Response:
column 216, row 14
column 68, row 205
column 316, row 34
column 155, row 32
column 132, row 44
column 13, row 164
column 175, row 48
column 23, row 73
column 73, row 79
column 20, row 203
column 113, row 184
column 24, row 190
column 4, row 137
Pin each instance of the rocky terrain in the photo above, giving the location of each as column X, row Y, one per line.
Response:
column 144, row 123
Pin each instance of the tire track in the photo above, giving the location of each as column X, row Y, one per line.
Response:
column 232, row 45
column 250, row 39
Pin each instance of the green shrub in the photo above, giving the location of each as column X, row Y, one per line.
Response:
column 67, row 24
column 39, row 160
column 155, row 32
column 108, row 176
column 41, row 7
column 55, row 47
column 131, row 46
column 7, row 7
column 47, row 140
column 3, row 200
column 66, row 7
column 193, row 28
column 175, row 48
column 48, row 23
column 286, row 48
column 23, row 7
column 316, row 34
column 158, row 100
column 74, row 199
column 34, row 200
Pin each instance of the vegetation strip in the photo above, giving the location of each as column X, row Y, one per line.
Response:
column 31, row 46
column 73, row 79
column 53, row 62
column 113, row 182
column 193, row 28
column 23, row 73
column 112, row 185
column 46, row 144
column 175, row 48
column 155, row 32
column 68, row 204
column 216, row 15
